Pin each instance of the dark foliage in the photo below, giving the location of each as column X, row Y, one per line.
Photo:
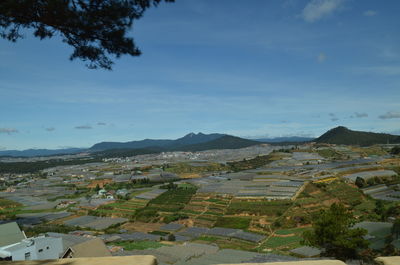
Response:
column 250, row 163
column 30, row 167
column 332, row 232
column 395, row 150
column 360, row 182
column 95, row 29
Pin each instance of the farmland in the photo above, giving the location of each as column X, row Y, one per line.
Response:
column 260, row 203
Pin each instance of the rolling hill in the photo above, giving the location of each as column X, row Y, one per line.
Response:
column 40, row 152
column 343, row 135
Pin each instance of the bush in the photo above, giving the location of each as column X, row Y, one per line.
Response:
column 171, row 237
column 174, row 217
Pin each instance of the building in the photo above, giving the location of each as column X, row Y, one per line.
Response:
column 35, row 248
column 15, row 246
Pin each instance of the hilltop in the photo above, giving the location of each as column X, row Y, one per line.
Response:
column 343, row 135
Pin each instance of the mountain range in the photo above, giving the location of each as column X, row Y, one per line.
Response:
column 189, row 139
column 201, row 141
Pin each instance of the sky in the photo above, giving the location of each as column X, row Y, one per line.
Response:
column 247, row 68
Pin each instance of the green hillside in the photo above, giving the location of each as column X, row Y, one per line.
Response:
column 343, row 135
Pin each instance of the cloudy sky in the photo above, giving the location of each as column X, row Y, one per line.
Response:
column 256, row 68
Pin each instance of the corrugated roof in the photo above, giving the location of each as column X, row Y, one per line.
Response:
column 91, row 248
column 10, row 233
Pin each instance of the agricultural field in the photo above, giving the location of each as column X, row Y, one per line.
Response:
column 330, row 153
column 316, row 197
column 186, row 169
column 166, row 205
column 258, row 207
column 8, row 208
column 227, row 243
column 121, row 208
column 204, row 209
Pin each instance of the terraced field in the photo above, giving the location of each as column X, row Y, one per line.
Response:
column 204, row 209
column 320, row 196
column 122, row 208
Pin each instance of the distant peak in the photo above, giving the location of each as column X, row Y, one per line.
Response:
column 190, row 134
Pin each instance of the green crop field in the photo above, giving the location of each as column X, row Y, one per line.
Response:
column 278, row 242
column 233, row 222
column 171, row 201
column 272, row 208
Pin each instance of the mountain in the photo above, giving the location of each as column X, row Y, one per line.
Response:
column 191, row 138
column 40, row 152
column 224, row 142
column 129, row 145
column 343, row 135
column 289, row 139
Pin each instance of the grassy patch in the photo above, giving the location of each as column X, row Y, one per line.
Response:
column 233, row 222
column 270, row 208
column 296, row 231
column 208, row 238
column 278, row 242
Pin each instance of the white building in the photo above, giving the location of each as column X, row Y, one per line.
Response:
column 35, row 248
column 15, row 246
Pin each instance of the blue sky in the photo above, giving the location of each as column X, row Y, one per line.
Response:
column 256, row 68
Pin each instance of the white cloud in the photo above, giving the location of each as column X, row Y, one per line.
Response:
column 318, row 9
column 8, row 130
column 369, row 13
column 321, row 57
column 390, row 115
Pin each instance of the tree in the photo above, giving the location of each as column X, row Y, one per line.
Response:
column 396, row 228
column 96, row 29
column 360, row 182
column 332, row 232
column 171, row 237
column 395, row 150
column 380, row 209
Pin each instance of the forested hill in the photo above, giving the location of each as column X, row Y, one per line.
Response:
column 343, row 135
column 224, row 142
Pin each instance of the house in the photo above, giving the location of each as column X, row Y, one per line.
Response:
column 35, row 248
column 15, row 246
column 68, row 240
column 102, row 192
column 91, row 248
column 122, row 192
